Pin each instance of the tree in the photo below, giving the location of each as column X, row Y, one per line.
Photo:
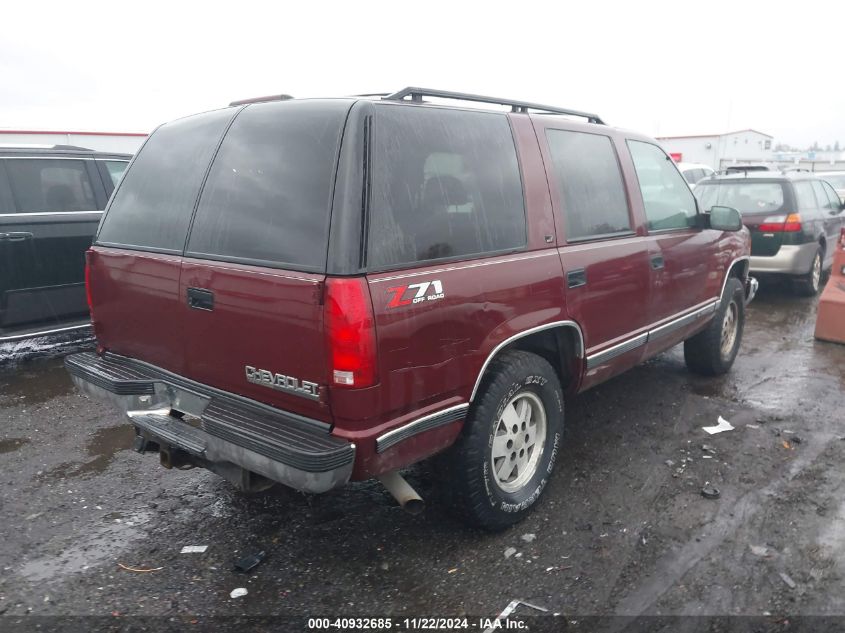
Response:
column 815, row 146
column 827, row 148
column 836, row 146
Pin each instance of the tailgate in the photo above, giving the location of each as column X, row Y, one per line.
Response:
column 257, row 333
column 764, row 243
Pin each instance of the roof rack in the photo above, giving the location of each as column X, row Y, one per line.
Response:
column 417, row 94
column 241, row 102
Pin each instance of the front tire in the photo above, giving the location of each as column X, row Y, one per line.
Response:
column 712, row 352
column 502, row 462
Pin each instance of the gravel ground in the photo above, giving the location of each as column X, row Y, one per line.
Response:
column 622, row 530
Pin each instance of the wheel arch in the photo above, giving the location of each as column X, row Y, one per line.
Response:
column 561, row 343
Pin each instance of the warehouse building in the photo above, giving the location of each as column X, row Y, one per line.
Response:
column 720, row 150
column 118, row 142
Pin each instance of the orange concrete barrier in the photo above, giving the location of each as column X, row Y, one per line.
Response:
column 830, row 321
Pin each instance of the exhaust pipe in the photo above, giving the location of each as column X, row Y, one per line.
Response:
column 401, row 490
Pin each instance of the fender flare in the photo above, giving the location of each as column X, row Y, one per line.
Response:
column 579, row 352
column 743, row 259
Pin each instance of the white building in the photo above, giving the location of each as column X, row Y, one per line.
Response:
column 120, row 142
column 720, row 150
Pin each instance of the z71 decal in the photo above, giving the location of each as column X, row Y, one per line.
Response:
column 415, row 293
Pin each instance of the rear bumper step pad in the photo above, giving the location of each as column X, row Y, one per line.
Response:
column 293, row 441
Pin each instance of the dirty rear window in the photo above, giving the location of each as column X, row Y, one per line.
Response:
column 746, row 197
column 152, row 206
column 268, row 195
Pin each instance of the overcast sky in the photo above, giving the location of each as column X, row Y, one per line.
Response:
column 658, row 67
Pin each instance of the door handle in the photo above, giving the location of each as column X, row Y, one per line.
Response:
column 200, row 299
column 576, row 278
column 657, row 262
column 16, row 237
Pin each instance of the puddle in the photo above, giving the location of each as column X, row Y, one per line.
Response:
column 102, row 448
column 34, row 383
column 12, row 444
column 102, row 543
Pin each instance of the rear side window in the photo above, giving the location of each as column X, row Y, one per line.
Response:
column 445, row 184
column 115, row 169
column 153, row 204
column 7, row 203
column 669, row 203
column 805, row 197
column 825, row 203
column 50, row 185
column 268, row 195
column 592, row 194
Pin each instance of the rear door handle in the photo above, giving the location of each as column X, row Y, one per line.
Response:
column 200, row 299
column 657, row 262
column 15, row 237
column 576, row 278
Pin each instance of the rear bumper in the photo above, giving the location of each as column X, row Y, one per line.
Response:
column 791, row 259
column 218, row 427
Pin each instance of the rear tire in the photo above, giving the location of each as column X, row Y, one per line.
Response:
column 503, row 460
column 712, row 351
column 807, row 285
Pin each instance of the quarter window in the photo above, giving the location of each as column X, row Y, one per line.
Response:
column 590, row 184
column 805, row 197
column 445, row 184
column 153, row 204
column 669, row 203
column 115, row 169
column 828, row 198
column 50, row 185
column 835, row 205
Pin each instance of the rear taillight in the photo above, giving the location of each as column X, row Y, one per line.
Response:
column 781, row 223
column 350, row 333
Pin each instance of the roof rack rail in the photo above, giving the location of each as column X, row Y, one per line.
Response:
column 241, row 102
column 417, row 94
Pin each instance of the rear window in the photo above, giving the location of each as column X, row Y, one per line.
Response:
column 50, row 185
column 152, row 206
column 445, row 184
column 746, row 197
column 267, row 199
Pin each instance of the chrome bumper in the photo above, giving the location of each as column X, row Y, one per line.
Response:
column 216, row 427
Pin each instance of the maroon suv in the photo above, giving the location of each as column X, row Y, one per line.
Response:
column 313, row 291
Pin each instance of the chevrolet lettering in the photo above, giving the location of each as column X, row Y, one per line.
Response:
column 282, row 382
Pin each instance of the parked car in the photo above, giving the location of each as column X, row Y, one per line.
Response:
column 313, row 291
column 51, row 200
column 751, row 167
column 794, row 219
column 836, row 179
column 695, row 172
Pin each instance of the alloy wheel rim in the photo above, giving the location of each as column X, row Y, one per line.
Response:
column 518, row 441
column 729, row 327
column 817, row 272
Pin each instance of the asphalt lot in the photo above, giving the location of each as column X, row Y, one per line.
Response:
column 622, row 529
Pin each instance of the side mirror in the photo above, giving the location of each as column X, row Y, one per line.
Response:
column 725, row 219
